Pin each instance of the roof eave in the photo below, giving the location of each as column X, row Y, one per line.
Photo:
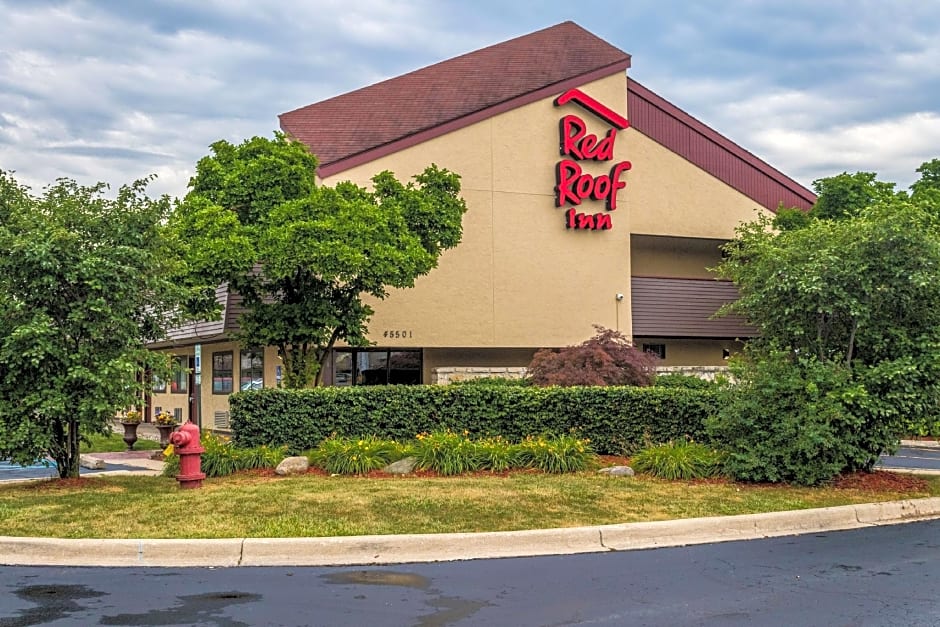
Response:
column 713, row 136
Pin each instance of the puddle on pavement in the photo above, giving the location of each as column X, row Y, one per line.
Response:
column 197, row 608
column 380, row 578
column 52, row 603
column 449, row 609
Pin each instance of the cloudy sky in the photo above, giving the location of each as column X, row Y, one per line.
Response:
column 113, row 90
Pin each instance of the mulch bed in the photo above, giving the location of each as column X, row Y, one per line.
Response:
column 881, row 481
column 876, row 481
column 378, row 474
column 54, row 483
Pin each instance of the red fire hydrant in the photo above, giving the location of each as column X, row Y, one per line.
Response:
column 187, row 446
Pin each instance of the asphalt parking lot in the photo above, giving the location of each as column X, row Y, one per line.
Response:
column 913, row 457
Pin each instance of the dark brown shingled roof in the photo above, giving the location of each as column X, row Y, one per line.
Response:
column 362, row 125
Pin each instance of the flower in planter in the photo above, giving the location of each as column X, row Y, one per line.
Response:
column 131, row 417
column 164, row 418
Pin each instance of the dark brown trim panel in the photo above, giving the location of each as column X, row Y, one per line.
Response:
column 684, row 308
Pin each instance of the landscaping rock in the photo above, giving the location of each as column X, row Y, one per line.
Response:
column 402, row 467
column 292, row 466
column 617, row 471
column 92, row 463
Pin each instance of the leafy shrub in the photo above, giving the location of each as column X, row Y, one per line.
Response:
column 446, row 453
column 354, row 456
column 792, row 420
column 617, row 420
column 221, row 457
column 847, row 353
column 681, row 459
column 924, row 427
column 608, row 358
column 555, row 454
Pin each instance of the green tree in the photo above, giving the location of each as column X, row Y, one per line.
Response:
column 848, row 313
column 85, row 282
column 926, row 190
column 303, row 256
column 838, row 198
column 929, row 177
column 845, row 195
column 789, row 218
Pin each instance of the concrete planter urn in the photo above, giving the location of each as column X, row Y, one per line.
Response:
column 130, row 434
column 165, row 423
column 130, row 419
column 165, row 431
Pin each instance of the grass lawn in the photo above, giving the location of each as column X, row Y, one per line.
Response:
column 114, row 442
column 256, row 504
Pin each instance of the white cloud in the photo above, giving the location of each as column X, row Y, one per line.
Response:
column 893, row 148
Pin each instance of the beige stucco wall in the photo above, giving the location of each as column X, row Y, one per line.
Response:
column 693, row 352
column 520, row 278
column 670, row 196
column 209, row 402
column 674, row 257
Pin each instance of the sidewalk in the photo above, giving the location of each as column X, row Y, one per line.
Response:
column 921, row 443
column 115, row 463
column 130, row 462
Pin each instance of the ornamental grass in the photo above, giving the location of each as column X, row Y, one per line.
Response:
column 682, row 459
column 355, row 456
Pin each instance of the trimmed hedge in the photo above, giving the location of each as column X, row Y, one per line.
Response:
column 616, row 420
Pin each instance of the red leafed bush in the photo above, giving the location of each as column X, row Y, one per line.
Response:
column 608, row 358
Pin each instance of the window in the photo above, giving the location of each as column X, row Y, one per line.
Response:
column 179, row 383
column 376, row 367
column 657, row 349
column 157, row 384
column 222, row 372
column 251, row 369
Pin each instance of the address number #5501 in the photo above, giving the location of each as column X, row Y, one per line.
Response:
column 398, row 334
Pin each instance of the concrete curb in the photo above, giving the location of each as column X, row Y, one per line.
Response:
column 398, row 549
column 909, row 471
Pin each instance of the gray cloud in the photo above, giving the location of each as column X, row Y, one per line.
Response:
column 108, row 152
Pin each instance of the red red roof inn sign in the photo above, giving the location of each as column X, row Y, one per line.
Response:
column 574, row 186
